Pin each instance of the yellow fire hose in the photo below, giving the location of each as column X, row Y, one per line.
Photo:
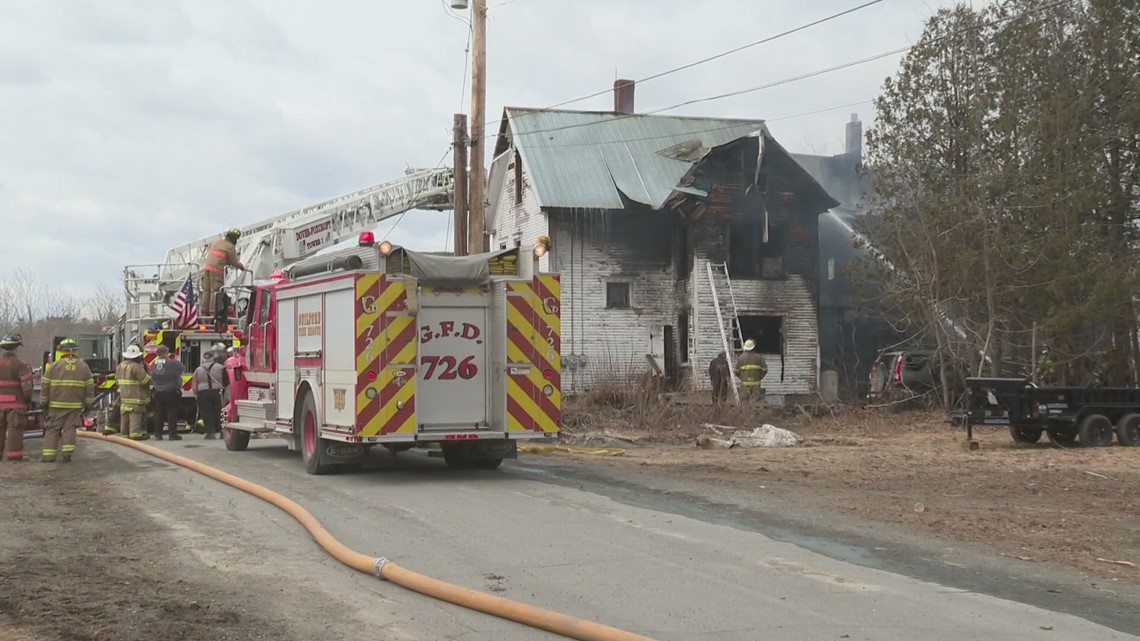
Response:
column 384, row 569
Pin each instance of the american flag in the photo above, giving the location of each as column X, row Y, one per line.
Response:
column 185, row 306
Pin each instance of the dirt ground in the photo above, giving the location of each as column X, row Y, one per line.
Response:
column 82, row 563
column 1075, row 507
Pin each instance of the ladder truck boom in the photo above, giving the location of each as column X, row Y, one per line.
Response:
column 275, row 243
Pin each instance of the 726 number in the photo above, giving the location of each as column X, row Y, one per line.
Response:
column 451, row 368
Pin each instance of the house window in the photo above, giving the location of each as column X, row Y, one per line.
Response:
column 518, row 179
column 617, row 295
column 749, row 256
column 683, row 323
column 767, row 331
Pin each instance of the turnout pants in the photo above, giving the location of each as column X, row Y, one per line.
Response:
column 132, row 421
column 211, row 283
column 753, row 393
column 210, row 409
column 59, row 436
column 12, row 425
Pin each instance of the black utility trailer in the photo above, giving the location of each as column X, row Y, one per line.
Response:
column 1091, row 415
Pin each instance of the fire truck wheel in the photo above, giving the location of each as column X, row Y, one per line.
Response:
column 312, row 446
column 1026, row 435
column 457, row 457
column 1128, row 430
column 235, row 440
column 1095, row 431
column 486, row 463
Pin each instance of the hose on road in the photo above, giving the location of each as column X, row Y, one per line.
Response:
column 384, row 569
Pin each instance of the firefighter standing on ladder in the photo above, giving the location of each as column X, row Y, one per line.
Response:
column 15, row 392
column 221, row 254
column 134, row 394
column 68, row 391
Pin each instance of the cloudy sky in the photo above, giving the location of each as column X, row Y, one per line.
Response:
column 130, row 126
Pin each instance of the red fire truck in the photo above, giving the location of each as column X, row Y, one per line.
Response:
column 378, row 345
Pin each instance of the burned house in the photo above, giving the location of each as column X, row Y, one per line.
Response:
column 676, row 237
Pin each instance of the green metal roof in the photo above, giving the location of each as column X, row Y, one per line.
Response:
column 588, row 160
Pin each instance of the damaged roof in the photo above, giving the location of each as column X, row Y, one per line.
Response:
column 589, row 160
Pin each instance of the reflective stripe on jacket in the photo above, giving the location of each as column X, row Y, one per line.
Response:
column 68, row 385
column 220, row 255
column 751, row 368
column 134, row 384
column 15, row 382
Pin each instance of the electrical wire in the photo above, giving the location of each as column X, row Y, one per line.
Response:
column 737, row 125
column 718, row 56
column 789, row 80
column 404, row 213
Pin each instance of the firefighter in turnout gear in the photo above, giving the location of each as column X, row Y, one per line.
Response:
column 751, row 369
column 15, row 393
column 221, row 254
column 68, row 392
column 134, row 394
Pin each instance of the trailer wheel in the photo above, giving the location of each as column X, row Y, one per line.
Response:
column 312, row 452
column 1064, row 438
column 1128, row 430
column 235, row 440
column 1095, row 431
column 1026, row 435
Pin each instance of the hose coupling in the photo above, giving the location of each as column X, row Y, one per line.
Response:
column 378, row 567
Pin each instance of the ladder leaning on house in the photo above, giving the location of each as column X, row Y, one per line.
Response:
column 732, row 327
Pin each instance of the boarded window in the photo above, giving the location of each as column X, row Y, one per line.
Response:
column 617, row 295
column 767, row 331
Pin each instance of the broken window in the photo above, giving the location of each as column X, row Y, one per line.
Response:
column 683, row 343
column 617, row 295
column 749, row 256
column 767, row 331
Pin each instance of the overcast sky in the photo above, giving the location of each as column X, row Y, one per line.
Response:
column 130, row 126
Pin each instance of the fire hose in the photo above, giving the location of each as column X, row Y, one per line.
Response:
column 386, row 570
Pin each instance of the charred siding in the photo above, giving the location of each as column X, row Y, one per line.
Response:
column 596, row 248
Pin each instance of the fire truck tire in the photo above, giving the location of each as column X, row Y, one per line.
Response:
column 1095, row 431
column 456, row 457
column 1128, row 430
column 486, row 463
column 235, row 440
column 308, row 437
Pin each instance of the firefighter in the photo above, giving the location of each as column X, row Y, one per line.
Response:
column 68, row 392
column 15, row 394
column 134, row 394
column 719, row 375
column 751, row 369
column 220, row 255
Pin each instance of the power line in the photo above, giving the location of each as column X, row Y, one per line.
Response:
column 718, row 56
column 737, row 125
column 792, row 79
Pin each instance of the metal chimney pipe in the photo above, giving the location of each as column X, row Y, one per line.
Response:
column 623, row 96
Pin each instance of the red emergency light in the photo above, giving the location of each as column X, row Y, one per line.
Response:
column 367, row 239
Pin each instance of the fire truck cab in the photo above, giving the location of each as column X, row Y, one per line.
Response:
column 384, row 346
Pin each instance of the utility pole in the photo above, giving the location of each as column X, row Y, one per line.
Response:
column 459, row 149
column 477, row 195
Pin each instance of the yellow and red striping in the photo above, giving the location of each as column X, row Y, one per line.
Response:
column 385, row 341
column 534, row 337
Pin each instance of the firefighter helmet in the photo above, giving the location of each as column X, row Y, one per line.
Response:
column 132, row 352
column 11, row 340
column 749, row 345
column 233, row 232
column 68, row 345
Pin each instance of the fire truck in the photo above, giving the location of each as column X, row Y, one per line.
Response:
column 379, row 345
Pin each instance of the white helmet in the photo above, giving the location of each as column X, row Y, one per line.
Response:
column 132, row 352
column 749, row 345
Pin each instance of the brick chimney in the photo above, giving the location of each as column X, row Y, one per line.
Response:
column 855, row 137
column 623, row 96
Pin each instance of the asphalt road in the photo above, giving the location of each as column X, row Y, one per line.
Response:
column 530, row 532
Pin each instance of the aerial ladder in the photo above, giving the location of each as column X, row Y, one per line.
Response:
column 275, row 243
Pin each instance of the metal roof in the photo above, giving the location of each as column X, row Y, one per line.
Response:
column 588, row 160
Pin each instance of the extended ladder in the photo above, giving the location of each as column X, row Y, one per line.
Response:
column 721, row 325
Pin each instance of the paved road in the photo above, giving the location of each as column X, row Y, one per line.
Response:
column 521, row 533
